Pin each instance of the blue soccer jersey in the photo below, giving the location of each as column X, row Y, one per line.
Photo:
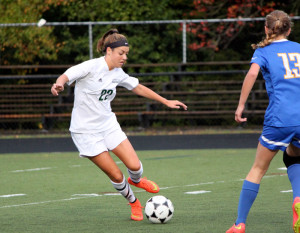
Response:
column 280, row 66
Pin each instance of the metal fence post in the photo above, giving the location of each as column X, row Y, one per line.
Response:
column 184, row 42
column 91, row 40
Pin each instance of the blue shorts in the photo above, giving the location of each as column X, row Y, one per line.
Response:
column 278, row 138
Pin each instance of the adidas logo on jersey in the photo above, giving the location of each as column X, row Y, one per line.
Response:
column 100, row 80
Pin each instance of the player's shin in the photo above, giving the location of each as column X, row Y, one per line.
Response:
column 124, row 189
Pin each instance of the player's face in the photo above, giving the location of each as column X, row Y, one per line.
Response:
column 117, row 57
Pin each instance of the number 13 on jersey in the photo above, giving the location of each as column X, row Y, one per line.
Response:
column 291, row 73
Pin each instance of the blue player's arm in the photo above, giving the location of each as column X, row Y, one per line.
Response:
column 246, row 89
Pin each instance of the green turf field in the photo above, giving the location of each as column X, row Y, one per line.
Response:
column 60, row 192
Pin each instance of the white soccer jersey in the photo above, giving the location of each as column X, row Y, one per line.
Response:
column 94, row 90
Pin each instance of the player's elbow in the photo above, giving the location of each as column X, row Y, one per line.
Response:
column 251, row 75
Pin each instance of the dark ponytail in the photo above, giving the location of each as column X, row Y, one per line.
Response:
column 109, row 37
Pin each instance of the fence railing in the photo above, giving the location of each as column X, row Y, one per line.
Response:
column 210, row 102
column 184, row 22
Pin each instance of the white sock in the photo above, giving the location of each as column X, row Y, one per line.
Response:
column 135, row 176
column 124, row 189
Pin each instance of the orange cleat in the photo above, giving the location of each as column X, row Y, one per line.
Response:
column 136, row 211
column 148, row 185
column 296, row 215
column 240, row 228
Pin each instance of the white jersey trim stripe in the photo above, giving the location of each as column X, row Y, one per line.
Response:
column 297, row 139
column 274, row 143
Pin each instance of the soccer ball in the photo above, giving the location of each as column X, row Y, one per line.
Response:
column 159, row 209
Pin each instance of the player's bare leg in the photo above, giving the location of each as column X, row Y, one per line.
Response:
column 261, row 164
column 128, row 156
column 105, row 162
column 251, row 185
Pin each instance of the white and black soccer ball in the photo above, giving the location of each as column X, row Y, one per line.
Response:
column 159, row 209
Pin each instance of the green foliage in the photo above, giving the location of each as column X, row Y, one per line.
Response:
column 145, row 40
column 150, row 43
column 26, row 45
column 210, row 39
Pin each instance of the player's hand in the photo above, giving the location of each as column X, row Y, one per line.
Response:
column 238, row 114
column 176, row 104
column 56, row 88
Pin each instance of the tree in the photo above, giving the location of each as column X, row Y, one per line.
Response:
column 145, row 40
column 220, row 36
column 153, row 43
column 27, row 45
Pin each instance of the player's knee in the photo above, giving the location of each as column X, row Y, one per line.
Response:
column 290, row 160
column 136, row 173
column 117, row 178
column 136, row 167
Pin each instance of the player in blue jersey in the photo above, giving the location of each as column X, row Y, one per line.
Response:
column 279, row 61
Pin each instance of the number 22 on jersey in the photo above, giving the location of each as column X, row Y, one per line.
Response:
column 104, row 94
column 290, row 73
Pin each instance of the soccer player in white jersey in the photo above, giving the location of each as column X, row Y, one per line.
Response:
column 279, row 61
column 94, row 127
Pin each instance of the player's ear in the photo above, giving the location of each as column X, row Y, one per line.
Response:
column 108, row 50
column 266, row 30
column 288, row 33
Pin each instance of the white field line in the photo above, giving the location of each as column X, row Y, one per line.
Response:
column 282, row 168
column 44, row 202
column 13, row 195
column 81, row 196
column 48, row 168
column 198, row 192
column 33, row 169
column 286, row 191
column 87, row 195
column 118, row 162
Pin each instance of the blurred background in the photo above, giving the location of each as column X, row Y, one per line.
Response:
column 195, row 51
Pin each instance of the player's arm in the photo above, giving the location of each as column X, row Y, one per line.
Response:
column 58, row 86
column 148, row 93
column 246, row 89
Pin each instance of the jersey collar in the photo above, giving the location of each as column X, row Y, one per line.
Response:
column 103, row 64
column 282, row 40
